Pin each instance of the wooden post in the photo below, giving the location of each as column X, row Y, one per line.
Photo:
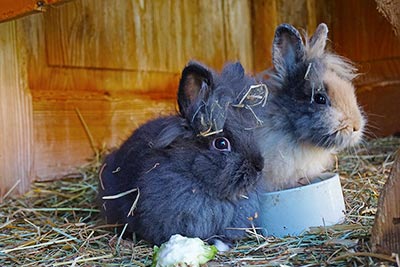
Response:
column 15, row 114
column 386, row 230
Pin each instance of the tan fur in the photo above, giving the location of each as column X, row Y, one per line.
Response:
column 346, row 112
column 343, row 67
column 292, row 163
column 288, row 161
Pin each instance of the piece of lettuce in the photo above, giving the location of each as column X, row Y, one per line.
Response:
column 183, row 251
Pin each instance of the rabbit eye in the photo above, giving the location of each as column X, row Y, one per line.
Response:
column 320, row 99
column 221, row 144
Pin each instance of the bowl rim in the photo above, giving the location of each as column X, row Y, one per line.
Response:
column 321, row 179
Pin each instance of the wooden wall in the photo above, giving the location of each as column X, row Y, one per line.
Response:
column 117, row 63
column 362, row 34
column 16, row 121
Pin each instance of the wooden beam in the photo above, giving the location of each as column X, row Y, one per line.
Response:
column 385, row 235
column 16, row 130
column 10, row 9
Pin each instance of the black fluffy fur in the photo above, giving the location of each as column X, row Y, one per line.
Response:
column 185, row 185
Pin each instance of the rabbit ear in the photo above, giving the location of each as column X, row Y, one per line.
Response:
column 288, row 48
column 194, row 86
column 233, row 71
column 318, row 40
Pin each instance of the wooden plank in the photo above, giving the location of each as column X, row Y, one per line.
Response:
column 264, row 20
column 293, row 12
column 152, row 36
column 238, row 32
column 381, row 102
column 11, row 9
column 61, row 141
column 16, row 129
column 371, row 43
column 366, row 39
column 385, row 236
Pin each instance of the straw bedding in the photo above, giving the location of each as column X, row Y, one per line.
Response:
column 57, row 224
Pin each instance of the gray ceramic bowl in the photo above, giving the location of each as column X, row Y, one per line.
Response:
column 292, row 211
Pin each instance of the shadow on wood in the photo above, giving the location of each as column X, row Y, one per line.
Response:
column 385, row 236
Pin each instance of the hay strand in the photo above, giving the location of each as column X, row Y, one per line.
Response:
column 58, row 224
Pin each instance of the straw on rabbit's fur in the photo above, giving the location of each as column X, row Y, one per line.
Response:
column 312, row 111
column 197, row 172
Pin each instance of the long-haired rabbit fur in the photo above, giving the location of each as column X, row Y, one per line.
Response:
column 311, row 111
column 195, row 173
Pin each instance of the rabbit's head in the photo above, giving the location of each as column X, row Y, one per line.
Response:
column 313, row 95
column 215, row 135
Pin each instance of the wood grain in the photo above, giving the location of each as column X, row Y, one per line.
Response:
column 264, row 19
column 61, row 140
column 238, row 32
column 152, row 36
column 16, row 124
column 11, row 9
column 385, row 236
column 119, row 63
column 367, row 38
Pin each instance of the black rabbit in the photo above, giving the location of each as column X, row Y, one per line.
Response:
column 196, row 173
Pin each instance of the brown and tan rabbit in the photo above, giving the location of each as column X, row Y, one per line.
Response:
column 311, row 112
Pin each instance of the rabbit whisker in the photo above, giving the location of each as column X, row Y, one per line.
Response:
column 370, row 134
column 370, row 125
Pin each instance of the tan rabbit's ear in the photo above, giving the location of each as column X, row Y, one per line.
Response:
column 195, row 86
column 318, row 40
column 287, row 49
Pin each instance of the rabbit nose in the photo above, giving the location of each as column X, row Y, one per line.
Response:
column 357, row 121
column 356, row 126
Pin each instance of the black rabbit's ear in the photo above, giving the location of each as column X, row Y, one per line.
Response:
column 288, row 48
column 233, row 71
column 194, row 86
column 318, row 40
